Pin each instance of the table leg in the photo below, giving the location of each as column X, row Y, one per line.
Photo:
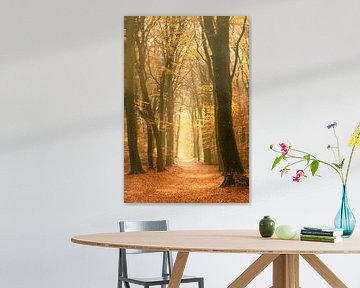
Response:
column 286, row 271
column 178, row 269
column 253, row 270
column 324, row 271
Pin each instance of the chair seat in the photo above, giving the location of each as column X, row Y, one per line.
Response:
column 158, row 280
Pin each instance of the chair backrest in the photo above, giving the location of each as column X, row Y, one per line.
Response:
column 138, row 226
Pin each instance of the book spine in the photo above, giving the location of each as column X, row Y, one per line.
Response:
column 319, row 236
column 319, row 233
column 317, row 239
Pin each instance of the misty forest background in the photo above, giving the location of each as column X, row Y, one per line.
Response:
column 186, row 101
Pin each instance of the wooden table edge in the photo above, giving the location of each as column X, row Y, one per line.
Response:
column 207, row 250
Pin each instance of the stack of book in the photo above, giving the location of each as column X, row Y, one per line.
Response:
column 321, row 234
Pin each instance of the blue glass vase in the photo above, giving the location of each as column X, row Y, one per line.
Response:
column 345, row 219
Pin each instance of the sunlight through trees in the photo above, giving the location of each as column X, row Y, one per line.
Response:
column 187, row 94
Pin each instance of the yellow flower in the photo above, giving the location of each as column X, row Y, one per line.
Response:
column 355, row 138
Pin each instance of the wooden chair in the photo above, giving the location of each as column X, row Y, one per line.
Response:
column 167, row 262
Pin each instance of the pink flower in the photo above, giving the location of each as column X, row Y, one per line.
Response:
column 300, row 174
column 284, row 148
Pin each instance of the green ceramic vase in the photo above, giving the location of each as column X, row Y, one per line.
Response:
column 266, row 227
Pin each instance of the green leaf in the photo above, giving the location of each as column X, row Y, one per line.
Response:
column 336, row 165
column 339, row 166
column 284, row 170
column 314, row 166
column 342, row 163
column 276, row 161
column 271, row 146
column 307, row 157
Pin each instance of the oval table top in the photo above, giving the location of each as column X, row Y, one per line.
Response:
column 217, row 241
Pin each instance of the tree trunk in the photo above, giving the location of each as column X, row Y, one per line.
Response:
column 217, row 32
column 150, row 146
column 218, row 150
column 206, row 137
column 162, row 110
column 170, row 120
column 204, row 105
column 148, row 113
column 173, row 31
column 177, row 136
column 209, row 65
column 129, row 97
column 150, row 118
column 196, row 134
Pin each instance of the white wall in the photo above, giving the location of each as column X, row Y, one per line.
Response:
column 61, row 132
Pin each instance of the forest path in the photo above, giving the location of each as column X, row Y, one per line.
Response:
column 184, row 182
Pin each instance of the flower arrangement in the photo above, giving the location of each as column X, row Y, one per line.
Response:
column 293, row 156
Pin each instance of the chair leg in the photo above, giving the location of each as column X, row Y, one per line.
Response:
column 126, row 284
column 201, row 283
column 120, row 273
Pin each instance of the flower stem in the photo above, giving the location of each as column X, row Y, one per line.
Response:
column 312, row 159
column 350, row 159
column 348, row 167
column 339, row 155
column 304, row 152
column 338, row 145
column 320, row 161
column 296, row 162
column 323, row 162
column 333, row 152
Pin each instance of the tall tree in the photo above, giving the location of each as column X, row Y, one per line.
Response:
column 208, row 61
column 205, row 113
column 129, row 96
column 141, row 39
column 196, row 112
column 217, row 33
column 240, row 76
column 173, row 29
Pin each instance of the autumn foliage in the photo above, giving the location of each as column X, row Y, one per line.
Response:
column 186, row 95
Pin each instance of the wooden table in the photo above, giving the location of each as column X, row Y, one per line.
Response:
column 284, row 254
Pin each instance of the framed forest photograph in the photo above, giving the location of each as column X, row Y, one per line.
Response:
column 186, row 97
